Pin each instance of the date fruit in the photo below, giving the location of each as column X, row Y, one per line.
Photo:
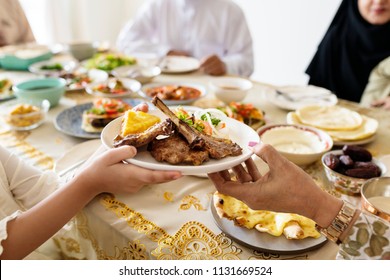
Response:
column 355, row 162
column 346, row 160
column 331, row 161
column 357, row 153
column 361, row 172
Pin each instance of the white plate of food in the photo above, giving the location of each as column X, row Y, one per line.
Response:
column 81, row 78
column 238, row 132
column 53, row 67
column 174, row 93
column 295, row 97
column 263, row 241
column 178, row 64
column 6, row 89
column 114, row 88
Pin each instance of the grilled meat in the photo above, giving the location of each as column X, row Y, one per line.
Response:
column 164, row 128
column 175, row 150
column 216, row 147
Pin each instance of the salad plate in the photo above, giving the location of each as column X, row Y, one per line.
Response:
column 70, row 120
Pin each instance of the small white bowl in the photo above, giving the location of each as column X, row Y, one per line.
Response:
column 143, row 74
column 230, row 89
column 301, row 145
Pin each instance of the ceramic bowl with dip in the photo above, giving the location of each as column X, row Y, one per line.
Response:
column 376, row 197
column 301, row 145
column 20, row 115
column 230, row 89
column 37, row 90
column 342, row 180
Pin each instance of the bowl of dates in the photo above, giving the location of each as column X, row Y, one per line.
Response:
column 348, row 169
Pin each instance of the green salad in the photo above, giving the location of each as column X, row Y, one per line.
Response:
column 108, row 62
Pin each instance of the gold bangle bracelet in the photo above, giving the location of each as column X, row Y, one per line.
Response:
column 339, row 223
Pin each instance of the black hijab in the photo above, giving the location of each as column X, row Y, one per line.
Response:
column 350, row 49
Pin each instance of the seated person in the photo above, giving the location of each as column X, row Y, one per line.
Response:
column 356, row 41
column 14, row 27
column 215, row 32
column 377, row 92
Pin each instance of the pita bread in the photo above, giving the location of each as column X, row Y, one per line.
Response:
column 368, row 128
column 329, row 117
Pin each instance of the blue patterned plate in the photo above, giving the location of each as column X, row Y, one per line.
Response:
column 69, row 121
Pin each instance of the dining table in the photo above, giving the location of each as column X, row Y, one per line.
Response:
column 173, row 220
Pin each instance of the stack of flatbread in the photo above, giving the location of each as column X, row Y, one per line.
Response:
column 342, row 124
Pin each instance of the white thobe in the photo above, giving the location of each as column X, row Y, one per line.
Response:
column 198, row 27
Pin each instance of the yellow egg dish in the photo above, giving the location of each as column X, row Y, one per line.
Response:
column 292, row 226
column 329, row 117
column 136, row 122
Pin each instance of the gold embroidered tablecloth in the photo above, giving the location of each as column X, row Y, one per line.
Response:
column 171, row 220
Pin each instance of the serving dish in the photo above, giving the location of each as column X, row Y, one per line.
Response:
column 294, row 97
column 239, row 133
column 22, row 116
column 300, row 144
column 344, row 183
column 108, row 61
column 114, row 88
column 6, row 89
column 263, row 241
column 81, row 78
column 20, row 57
column 69, row 121
column 174, row 99
column 53, row 67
